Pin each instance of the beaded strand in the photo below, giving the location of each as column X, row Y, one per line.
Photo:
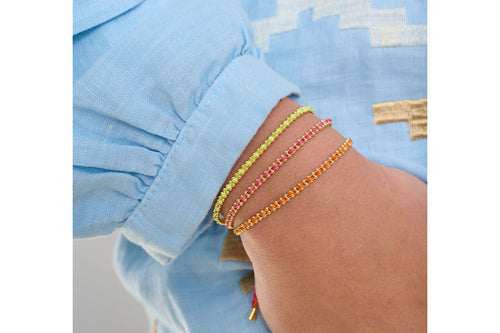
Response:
column 243, row 169
column 295, row 190
column 236, row 206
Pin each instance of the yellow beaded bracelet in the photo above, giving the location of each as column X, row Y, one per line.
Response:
column 295, row 190
column 237, row 176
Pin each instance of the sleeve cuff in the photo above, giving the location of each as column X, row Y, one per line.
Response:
column 213, row 138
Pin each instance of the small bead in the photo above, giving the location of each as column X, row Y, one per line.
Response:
column 309, row 179
column 318, row 172
column 266, row 174
column 273, row 207
column 281, row 201
column 243, row 197
column 283, row 158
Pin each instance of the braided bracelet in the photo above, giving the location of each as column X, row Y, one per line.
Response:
column 236, row 206
column 237, row 176
column 294, row 191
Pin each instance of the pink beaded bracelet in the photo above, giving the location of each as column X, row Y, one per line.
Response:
column 236, row 206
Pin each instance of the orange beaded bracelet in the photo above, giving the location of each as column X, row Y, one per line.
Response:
column 295, row 190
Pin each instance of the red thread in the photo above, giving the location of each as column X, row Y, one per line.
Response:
column 255, row 302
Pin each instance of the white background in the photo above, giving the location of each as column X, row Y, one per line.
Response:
column 100, row 302
column 36, row 284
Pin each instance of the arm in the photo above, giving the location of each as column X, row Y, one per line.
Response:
column 349, row 252
column 166, row 97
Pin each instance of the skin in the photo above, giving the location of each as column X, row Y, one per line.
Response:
column 348, row 254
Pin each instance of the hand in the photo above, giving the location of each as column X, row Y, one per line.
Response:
column 348, row 254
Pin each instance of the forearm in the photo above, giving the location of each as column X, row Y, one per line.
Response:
column 349, row 252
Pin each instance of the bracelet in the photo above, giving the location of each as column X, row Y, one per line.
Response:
column 236, row 177
column 295, row 190
column 272, row 169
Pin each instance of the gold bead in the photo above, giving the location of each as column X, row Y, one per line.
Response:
column 253, row 315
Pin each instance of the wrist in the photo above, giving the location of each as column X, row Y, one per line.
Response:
column 310, row 156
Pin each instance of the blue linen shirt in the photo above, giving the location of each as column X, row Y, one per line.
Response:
column 167, row 94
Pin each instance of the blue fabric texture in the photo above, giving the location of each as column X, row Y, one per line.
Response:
column 167, row 94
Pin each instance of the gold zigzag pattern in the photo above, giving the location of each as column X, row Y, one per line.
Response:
column 247, row 283
column 233, row 250
column 413, row 111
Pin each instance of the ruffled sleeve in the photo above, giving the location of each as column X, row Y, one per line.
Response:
column 160, row 117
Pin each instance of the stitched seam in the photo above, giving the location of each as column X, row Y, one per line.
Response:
column 197, row 112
